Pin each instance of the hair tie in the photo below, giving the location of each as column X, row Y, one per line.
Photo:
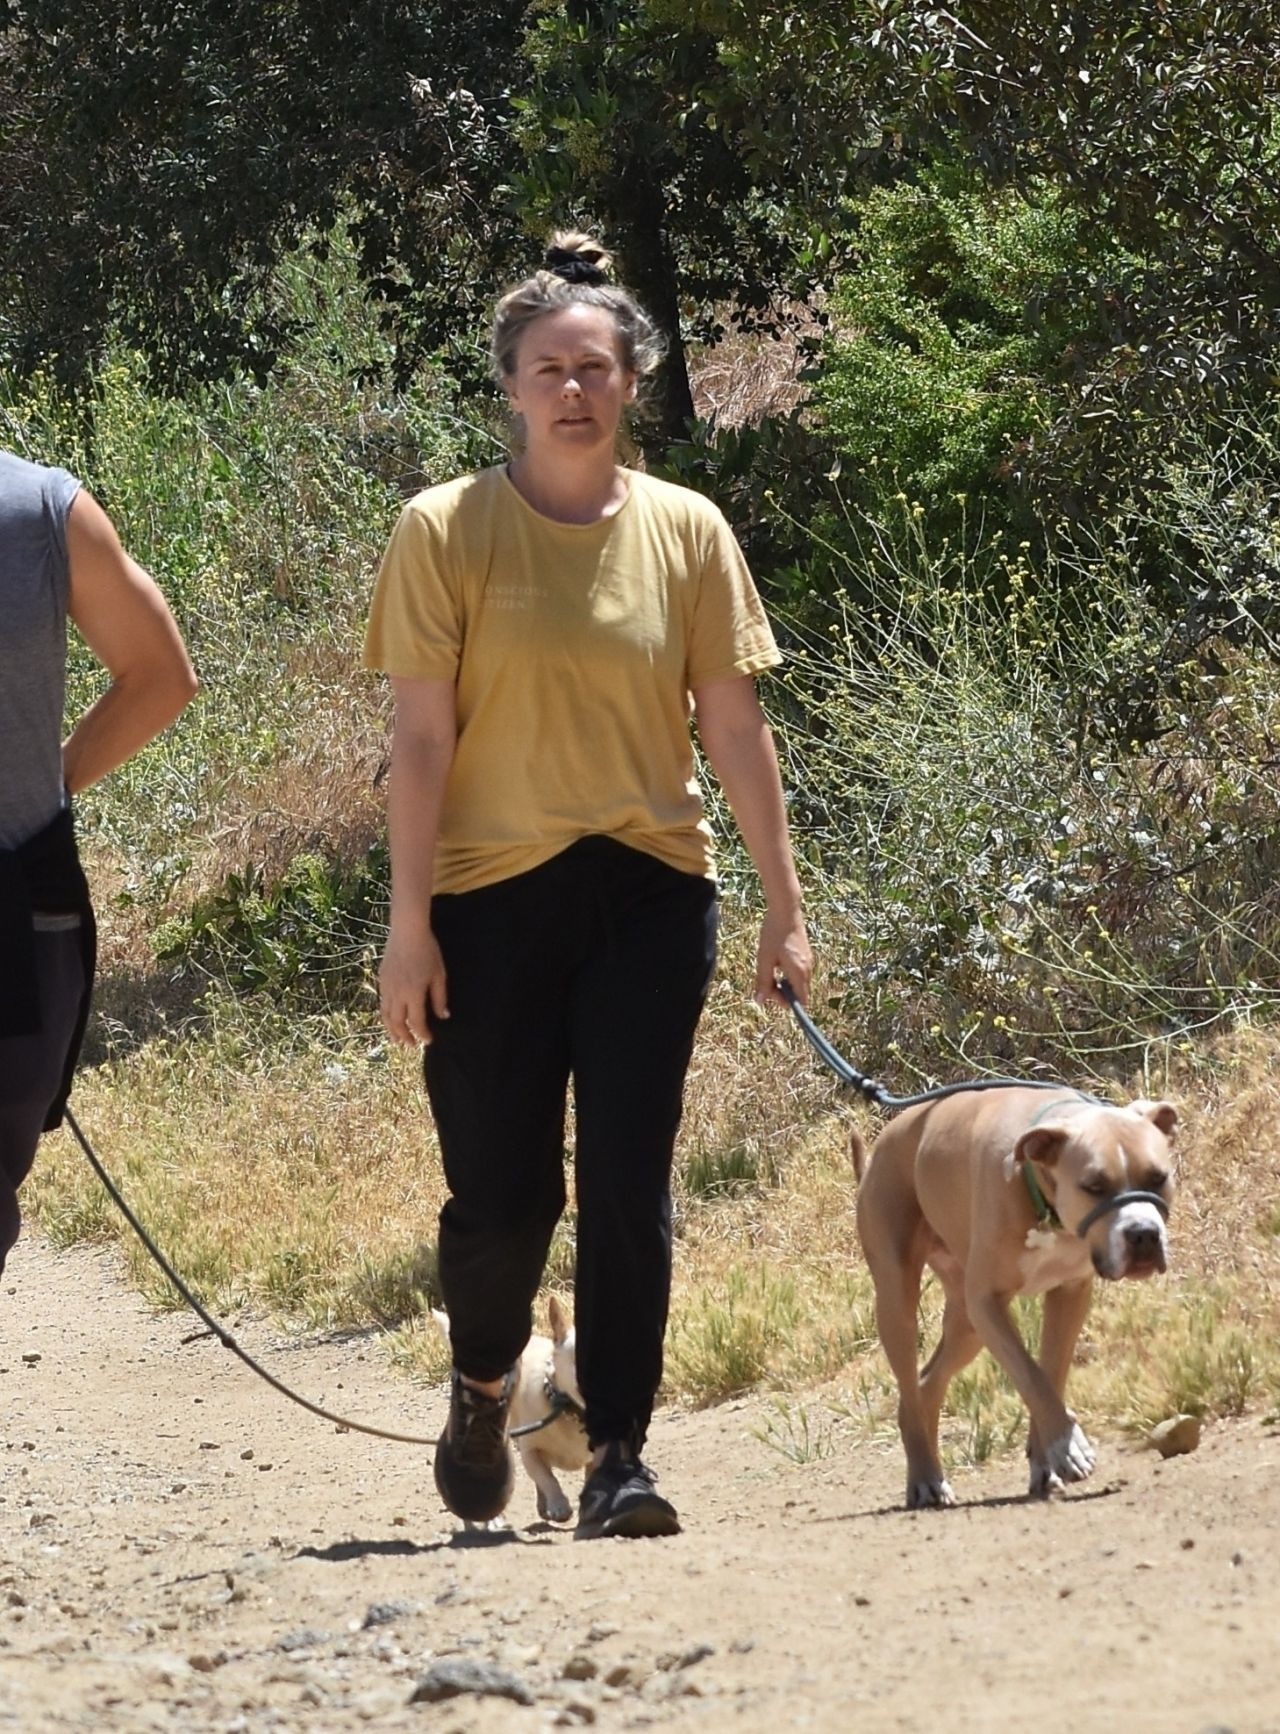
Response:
column 573, row 268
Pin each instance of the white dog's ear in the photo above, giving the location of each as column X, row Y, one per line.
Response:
column 559, row 1321
column 1162, row 1115
column 441, row 1323
column 1040, row 1144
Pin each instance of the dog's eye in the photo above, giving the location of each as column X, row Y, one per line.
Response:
column 1095, row 1188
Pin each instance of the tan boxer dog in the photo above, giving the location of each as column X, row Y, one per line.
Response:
column 1007, row 1191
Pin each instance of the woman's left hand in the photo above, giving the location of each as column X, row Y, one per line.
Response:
column 783, row 950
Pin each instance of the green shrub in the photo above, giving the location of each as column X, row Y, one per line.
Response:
column 949, row 341
column 312, row 935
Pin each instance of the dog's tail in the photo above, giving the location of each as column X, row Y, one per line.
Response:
column 857, row 1153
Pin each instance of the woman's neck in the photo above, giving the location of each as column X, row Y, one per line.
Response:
column 570, row 493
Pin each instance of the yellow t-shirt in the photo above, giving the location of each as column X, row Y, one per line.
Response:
column 574, row 648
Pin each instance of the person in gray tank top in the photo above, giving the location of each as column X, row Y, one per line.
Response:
column 60, row 560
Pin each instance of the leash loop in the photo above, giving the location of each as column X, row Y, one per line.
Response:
column 224, row 1336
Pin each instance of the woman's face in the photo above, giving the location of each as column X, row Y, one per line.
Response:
column 570, row 384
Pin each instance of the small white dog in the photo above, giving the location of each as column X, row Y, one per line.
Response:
column 546, row 1400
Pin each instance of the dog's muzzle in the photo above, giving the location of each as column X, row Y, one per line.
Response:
column 1117, row 1201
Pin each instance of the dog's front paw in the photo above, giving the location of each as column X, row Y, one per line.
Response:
column 1070, row 1457
column 555, row 1509
column 930, row 1493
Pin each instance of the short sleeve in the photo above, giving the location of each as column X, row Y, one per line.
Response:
column 59, row 490
column 730, row 633
column 415, row 620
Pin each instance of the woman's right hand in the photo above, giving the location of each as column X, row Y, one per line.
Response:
column 411, row 978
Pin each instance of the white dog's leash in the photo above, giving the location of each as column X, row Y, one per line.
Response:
column 224, row 1336
column 561, row 1403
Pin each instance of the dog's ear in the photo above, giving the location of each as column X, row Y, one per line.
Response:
column 441, row 1320
column 1162, row 1115
column 1041, row 1144
column 558, row 1319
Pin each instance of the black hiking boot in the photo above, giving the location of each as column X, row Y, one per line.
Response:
column 619, row 1498
column 474, row 1469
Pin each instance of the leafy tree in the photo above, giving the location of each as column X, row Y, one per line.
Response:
column 158, row 160
column 1155, row 125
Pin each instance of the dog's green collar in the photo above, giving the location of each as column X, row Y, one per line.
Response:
column 1046, row 1215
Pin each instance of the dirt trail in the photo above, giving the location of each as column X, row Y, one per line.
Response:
column 181, row 1549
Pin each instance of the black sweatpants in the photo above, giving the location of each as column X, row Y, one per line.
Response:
column 31, row 1068
column 593, row 966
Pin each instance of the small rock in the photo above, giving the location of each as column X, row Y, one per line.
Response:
column 579, row 1667
column 305, row 1638
column 202, row 1664
column 1177, row 1436
column 385, row 1613
column 575, row 1714
column 694, row 1654
column 602, row 1629
column 31, row 1359
column 456, row 1679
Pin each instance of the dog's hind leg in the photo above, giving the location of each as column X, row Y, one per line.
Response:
column 1065, row 1309
column 897, row 1282
column 957, row 1346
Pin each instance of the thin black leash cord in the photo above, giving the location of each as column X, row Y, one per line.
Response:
column 560, row 1403
column 877, row 1092
column 224, row 1336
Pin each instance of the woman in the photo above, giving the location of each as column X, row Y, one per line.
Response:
column 60, row 557
column 553, row 910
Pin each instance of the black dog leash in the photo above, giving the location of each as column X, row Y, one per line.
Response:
column 224, row 1336
column 879, row 1093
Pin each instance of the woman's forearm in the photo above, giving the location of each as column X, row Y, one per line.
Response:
column 415, row 797
column 739, row 746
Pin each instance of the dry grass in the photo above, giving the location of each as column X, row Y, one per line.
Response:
column 749, row 376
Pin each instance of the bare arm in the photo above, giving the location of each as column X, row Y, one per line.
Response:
column 422, row 744
column 739, row 747
column 126, row 623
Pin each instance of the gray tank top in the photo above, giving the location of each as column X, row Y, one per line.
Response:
column 34, row 578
